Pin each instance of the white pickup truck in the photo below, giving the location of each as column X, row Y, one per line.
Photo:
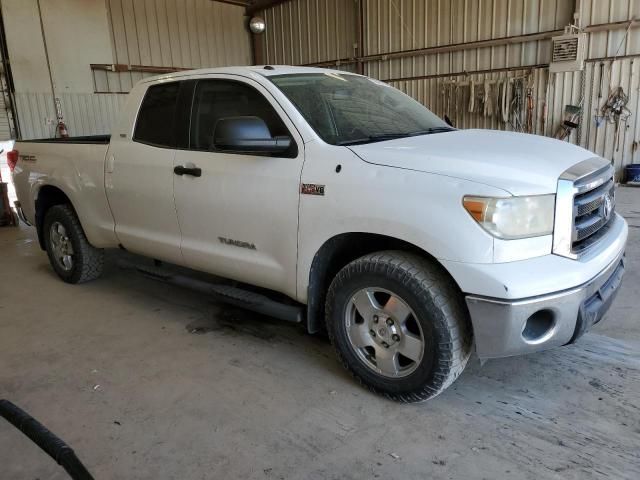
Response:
column 335, row 200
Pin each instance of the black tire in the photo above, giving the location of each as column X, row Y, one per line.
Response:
column 87, row 261
column 438, row 306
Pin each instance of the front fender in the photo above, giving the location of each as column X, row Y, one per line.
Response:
column 421, row 209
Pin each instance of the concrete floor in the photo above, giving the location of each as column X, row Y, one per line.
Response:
column 146, row 381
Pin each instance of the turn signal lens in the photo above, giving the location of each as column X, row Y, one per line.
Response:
column 475, row 208
column 513, row 217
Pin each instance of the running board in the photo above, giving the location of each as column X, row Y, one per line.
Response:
column 225, row 293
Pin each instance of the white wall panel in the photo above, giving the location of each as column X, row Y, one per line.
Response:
column 25, row 45
column 77, row 34
column 164, row 33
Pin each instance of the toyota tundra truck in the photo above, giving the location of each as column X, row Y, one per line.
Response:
column 334, row 200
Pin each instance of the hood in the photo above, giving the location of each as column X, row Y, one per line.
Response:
column 519, row 163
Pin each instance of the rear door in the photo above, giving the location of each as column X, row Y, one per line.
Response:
column 239, row 218
column 139, row 177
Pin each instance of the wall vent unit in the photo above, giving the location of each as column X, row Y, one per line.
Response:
column 567, row 53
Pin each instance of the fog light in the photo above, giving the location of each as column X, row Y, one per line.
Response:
column 539, row 326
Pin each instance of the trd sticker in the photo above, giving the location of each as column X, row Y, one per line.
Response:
column 311, row 189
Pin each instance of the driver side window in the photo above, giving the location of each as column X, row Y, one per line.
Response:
column 217, row 99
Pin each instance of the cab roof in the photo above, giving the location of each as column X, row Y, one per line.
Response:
column 263, row 70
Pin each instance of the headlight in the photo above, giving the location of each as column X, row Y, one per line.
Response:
column 513, row 217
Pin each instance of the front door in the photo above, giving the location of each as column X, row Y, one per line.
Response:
column 239, row 217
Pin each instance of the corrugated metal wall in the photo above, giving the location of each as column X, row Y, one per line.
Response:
column 618, row 143
column 84, row 113
column 605, row 44
column 173, row 33
column 394, row 25
column 310, row 31
column 399, row 25
column 6, row 115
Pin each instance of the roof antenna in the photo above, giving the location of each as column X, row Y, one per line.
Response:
column 268, row 67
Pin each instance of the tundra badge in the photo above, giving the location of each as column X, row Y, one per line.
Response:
column 237, row 243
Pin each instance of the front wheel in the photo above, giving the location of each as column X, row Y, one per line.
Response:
column 71, row 255
column 399, row 325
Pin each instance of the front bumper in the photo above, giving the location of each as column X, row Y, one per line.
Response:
column 504, row 328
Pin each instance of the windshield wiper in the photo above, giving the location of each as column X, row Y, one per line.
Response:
column 391, row 136
column 431, row 130
column 374, row 138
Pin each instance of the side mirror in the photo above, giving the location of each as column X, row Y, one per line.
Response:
column 247, row 135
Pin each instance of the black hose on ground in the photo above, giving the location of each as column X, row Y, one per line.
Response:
column 43, row 438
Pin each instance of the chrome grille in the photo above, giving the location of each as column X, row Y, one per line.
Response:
column 588, row 202
column 585, row 204
column 593, row 209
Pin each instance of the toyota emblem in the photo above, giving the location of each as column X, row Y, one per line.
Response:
column 607, row 207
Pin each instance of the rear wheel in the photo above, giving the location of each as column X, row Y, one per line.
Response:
column 71, row 255
column 399, row 324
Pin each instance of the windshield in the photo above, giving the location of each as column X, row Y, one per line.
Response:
column 350, row 109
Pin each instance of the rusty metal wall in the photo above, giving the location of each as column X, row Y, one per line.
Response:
column 173, row 33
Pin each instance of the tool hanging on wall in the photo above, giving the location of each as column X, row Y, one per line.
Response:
column 479, row 103
column 457, row 99
column 497, row 99
column 488, row 100
column 516, row 106
column 509, row 100
column 506, row 95
column 444, row 96
column 529, row 122
column 601, row 80
column 570, row 123
column 543, row 118
column 615, row 111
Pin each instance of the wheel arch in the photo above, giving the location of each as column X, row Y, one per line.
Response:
column 47, row 197
column 340, row 250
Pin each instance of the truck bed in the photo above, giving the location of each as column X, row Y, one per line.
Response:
column 76, row 167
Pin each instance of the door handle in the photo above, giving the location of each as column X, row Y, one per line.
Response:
column 194, row 171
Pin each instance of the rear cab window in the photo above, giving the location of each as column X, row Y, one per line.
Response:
column 156, row 122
